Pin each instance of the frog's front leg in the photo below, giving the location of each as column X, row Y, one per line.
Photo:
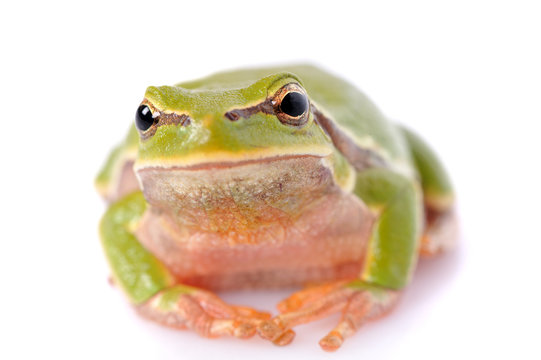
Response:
column 388, row 265
column 152, row 289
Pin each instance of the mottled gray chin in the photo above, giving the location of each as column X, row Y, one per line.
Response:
column 286, row 184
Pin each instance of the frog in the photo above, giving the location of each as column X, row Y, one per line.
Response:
column 270, row 177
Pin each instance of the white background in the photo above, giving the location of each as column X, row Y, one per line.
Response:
column 464, row 74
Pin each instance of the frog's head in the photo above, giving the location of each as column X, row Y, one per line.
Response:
column 244, row 146
column 271, row 117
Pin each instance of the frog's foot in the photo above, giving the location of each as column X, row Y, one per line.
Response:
column 202, row 311
column 358, row 302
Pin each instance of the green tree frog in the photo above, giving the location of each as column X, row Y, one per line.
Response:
column 269, row 177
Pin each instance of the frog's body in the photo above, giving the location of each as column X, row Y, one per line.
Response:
column 245, row 185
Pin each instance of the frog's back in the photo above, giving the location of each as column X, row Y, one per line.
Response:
column 340, row 101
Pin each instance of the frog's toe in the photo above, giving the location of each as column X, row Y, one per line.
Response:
column 285, row 338
column 279, row 335
column 250, row 313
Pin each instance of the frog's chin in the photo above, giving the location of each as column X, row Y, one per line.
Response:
column 288, row 182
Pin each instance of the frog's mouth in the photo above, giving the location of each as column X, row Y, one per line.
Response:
column 248, row 189
column 224, row 164
column 225, row 159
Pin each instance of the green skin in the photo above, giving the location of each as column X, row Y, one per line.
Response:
column 395, row 192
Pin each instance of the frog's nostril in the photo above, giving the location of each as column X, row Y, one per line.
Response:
column 232, row 115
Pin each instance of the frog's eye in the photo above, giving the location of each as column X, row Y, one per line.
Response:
column 294, row 104
column 144, row 118
column 291, row 105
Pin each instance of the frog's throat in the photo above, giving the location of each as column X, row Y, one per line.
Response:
column 276, row 189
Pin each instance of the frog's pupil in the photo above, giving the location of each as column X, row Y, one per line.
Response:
column 294, row 104
column 143, row 118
